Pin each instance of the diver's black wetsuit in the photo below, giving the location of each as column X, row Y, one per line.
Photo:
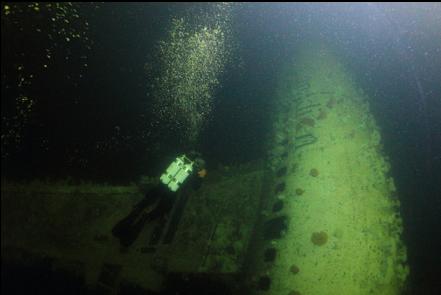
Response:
column 156, row 204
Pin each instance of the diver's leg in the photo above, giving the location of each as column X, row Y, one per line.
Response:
column 160, row 213
column 131, row 233
column 130, row 220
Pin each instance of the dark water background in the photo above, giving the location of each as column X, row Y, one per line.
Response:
column 393, row 51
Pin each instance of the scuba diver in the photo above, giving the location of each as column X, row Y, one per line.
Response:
column 184, row 172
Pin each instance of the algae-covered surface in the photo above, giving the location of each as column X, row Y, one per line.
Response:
column 70, row 226
column 47, row 219
column 344, row 227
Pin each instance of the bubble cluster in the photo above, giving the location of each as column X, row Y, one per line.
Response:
column 52, row 19
column 36, row 36
column 191, row 59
